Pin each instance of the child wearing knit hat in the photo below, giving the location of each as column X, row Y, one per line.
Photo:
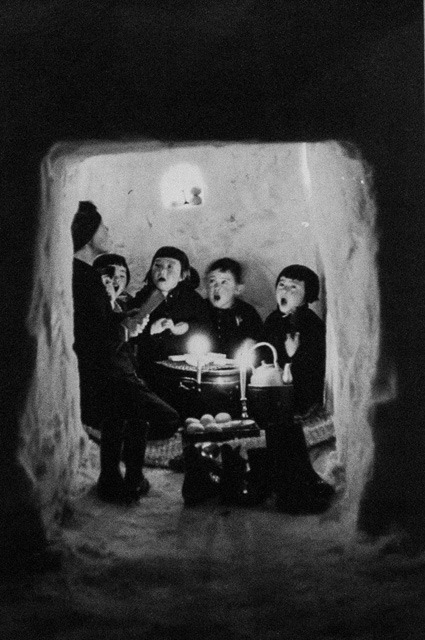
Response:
column 88, row 229
column 112, row 397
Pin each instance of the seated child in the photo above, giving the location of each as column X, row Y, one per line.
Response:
column 298, row 334
column 111, row 394
column 181, row 313
column 115, row 280
column 115, row 275
column 234, row 320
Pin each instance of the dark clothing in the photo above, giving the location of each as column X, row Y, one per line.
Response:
column 309, row 361
column 131, row 397
column 230, row 327
column 112, row 396
column 182, row 304
column 96, row 327
column 125, row 301
column 299, row 489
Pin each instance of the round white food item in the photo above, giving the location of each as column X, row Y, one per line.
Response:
column 223, row 417
column 194, row 428
column 212, row 426
column 207, row 418
column 191, row 421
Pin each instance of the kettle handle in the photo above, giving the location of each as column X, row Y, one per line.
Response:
column 267, row 344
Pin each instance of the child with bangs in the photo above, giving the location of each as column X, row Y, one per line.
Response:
column 180, row 312
column 298, row 334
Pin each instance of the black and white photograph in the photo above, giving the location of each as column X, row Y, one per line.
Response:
column 213, row 370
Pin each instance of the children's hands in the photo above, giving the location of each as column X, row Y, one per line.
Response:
column 143, row 323
column 292, row 343
column 166, row 323
column 180, row 328
column 161, row 325
column 111, row 292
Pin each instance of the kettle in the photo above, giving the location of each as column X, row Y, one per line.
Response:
column 270, row 375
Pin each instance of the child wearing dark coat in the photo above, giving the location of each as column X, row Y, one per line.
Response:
column 299, row 337
column 298, row 334
column 182, row 312
column 112, row 396
column 233, row 320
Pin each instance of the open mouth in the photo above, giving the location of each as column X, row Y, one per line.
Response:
column 217, row 297
column 283, row 301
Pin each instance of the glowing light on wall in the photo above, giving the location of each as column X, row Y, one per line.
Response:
column 182, row 186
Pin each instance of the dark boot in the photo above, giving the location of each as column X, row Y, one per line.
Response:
column 259, row 475
column 301, row 500
column 303, row 493
column 133, row 456
column 234, row 477
column 202, row 477
column 110, row 485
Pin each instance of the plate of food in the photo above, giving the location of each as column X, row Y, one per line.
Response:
column 207, row 359
column 222, row 421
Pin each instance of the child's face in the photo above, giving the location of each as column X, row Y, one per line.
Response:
column 290, row 294
column 119, row 279
column 166, row 274
column 222, row 288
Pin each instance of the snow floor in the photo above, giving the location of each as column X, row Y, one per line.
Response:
column 161, row 571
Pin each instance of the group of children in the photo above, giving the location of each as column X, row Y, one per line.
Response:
column 296, row 332
column 119, row 338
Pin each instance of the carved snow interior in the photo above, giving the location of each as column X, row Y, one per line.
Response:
column 267, row 205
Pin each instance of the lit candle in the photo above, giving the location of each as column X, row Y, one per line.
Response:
column 199, row 346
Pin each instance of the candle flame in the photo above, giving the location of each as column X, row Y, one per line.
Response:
column 198, row 345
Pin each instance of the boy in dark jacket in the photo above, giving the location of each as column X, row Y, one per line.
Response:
column 233, row 320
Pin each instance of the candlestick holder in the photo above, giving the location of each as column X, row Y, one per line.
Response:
column 199, row 374
column 244, row 363
column 244, row 412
